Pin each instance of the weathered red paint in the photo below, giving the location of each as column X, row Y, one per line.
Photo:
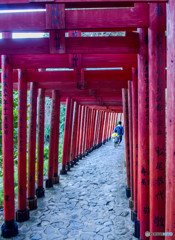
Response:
column 66, row 137
column 157, row 49
column 135, row 132
column 81, row 128
column 130, row 138
column 7, row 138
column 55, row 95
column 40, row 153
column 56, row 146
column 32, row 146
column 170, row 177
column 84, row 128
column 22, row 142
column 75, row 132
column 70, row 135
column 93, row 129
column 40, row 21
column 126, row 120
column 78, row 130
column 143, row 134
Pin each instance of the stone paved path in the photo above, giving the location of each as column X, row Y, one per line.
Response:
column 88, row 204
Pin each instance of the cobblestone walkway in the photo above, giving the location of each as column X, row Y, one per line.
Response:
column 88, row 204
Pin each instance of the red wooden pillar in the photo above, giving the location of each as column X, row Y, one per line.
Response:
column 95, row 121
column 89, row 131
column 142, row 223
column 127, row 152
column 73, row 112
column 75, row 134
column 56, row 145
column 32, row 199
column 84, row 128
column 49, row 181
column 109, row 122
column 93, row 129
column 157, row 48
column 72, row 118
column 66, row 137
column 22, row 213
column 78, row 133
column 101, row 128
column 10, row 227
column 69, row 136
column 86, row 131
column 104, row 128
column 40, row 155
column 81, row 131
column 98, row 128
column 135, row 139
column 112, row 125
column 131, row 201
column 170, row 166
column 119, row 117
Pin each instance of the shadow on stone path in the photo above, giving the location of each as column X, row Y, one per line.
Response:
column 89, row 203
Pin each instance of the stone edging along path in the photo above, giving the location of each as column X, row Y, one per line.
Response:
column 89, row 203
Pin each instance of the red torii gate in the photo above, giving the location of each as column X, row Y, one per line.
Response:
column 93, row 97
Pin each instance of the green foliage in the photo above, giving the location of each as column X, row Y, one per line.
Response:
column 46, row 137
column 15, row 125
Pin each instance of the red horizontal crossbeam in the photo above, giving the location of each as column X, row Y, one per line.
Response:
column 88, row 45
column 77, row 19
column 75, row 1
column 65, row 61
column 94, row 77
column 88, row 93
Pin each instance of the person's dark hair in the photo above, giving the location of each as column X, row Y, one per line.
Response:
column 120, row 122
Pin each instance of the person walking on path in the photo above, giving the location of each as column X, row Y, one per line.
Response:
column 120, row 131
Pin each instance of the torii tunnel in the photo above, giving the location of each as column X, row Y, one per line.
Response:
column 128, row 76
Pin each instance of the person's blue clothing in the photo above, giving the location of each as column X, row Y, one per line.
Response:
column 119, row 130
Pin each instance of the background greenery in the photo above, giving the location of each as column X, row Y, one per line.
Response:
column 46, row 140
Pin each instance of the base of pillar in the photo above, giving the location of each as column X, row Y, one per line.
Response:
column 84, row 154
column 71, row 163
column 128, row 192
column 9, row 229
column 75, row 160
column 32, row 203
column 131, row 203
column 80, row 156
column 40, row 192
column 63, row 171
column 104, row 141
column 133, row 215
column 91, row 149
column 22, row 215
column 137, row 229
column 100, row 144
column 49, row 183
column 56, row 178
column 88, row 151
column 68, row 166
